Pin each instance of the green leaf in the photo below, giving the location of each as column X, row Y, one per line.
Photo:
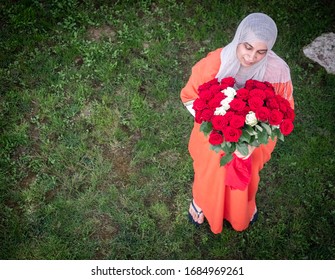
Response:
column 280, row 136
column 206, row 127
column 276, row 133
column 243, row 148
column 225, row 159
column 228, row 147
column 245, row 137
column 250, row 130
column 267, row 128
column 259, row 127
column 254, row 143
column 263, row 137
column 216, row 148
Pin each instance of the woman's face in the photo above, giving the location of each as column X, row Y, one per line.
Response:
column 250, row 53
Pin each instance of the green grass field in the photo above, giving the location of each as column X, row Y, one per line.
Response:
column 93, row 144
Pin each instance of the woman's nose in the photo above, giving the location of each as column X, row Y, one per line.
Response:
column 253, row 56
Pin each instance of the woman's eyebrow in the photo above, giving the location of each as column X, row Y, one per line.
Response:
column 251, row 46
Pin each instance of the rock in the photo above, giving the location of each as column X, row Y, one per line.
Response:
column 322, row 51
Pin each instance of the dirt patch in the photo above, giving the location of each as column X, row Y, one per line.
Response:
column 33, row 149
column 50, row 195
column 105, row 230
column 28, row 180
column 121, row 157
column 98, row 33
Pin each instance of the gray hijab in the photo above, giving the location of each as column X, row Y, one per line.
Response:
column 254, row 27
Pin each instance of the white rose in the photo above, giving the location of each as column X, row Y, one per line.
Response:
column 251, row 119
column 225, row 103
column 220, row 111
column 229, row 92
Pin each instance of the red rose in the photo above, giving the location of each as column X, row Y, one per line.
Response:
column 207, row 114
column 208, row 84
column 215, row 88
column 276, row 117
column 215, row 138
column 284, row 105
column 272, row 103
column 244, row 112
column 289, row 114
column 242, row 93
column 237, row 121
column 270, row 93
column 214, row 81
column 262, row 114
column 206, row 95
column 219, row 95
column 197, row 117
column 228, row 81
column 199, row 104
column 260, row 85
column 237, row 104
column 215, row 102
column 286, row 127
column 228, row 116
column 219, row 122
column 255, row 103
column 279, row 98
column 257, row 93
column 249, row 84
column 203, row 87
column 232, row 134
column 223, row 86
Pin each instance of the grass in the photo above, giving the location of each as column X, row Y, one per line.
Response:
column 94, row 160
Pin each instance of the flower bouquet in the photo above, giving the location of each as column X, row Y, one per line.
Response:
column 234, row 119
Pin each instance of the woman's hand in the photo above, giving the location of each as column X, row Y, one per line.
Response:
column 239, row 155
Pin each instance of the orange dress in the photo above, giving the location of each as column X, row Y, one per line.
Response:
column 217, row 201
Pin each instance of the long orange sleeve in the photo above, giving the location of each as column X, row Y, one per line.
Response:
column 202, row 72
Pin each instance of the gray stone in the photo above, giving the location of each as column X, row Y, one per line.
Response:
column 322, row 51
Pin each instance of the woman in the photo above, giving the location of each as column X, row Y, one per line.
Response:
column 248, row 56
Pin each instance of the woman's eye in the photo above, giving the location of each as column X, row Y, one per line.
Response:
column 248, row 47
column 262, row 52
